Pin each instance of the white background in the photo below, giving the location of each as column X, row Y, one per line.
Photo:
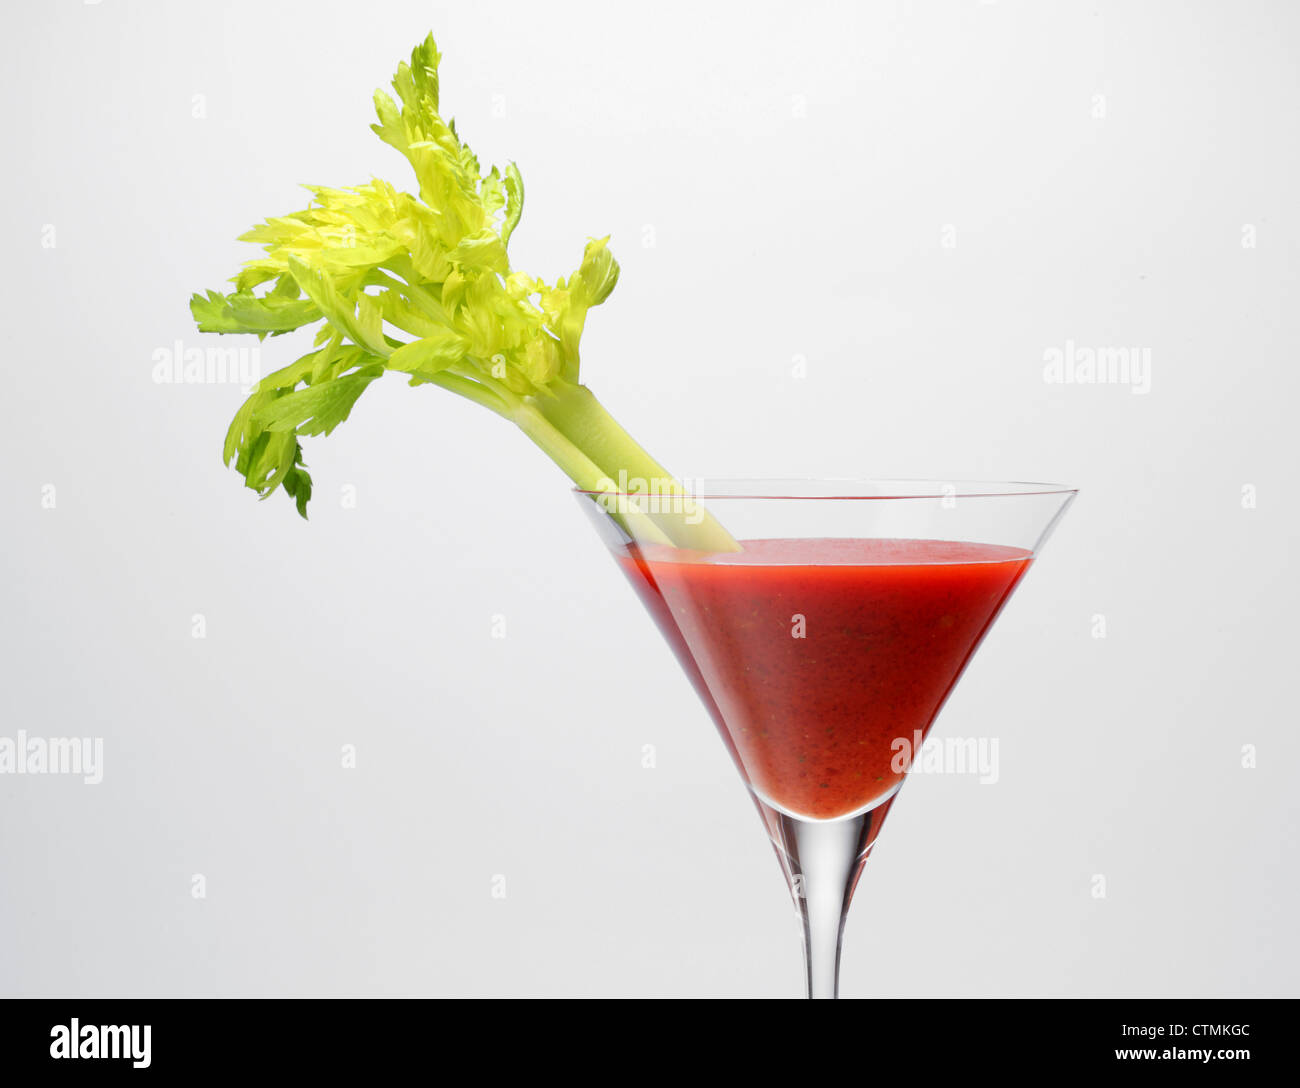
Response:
column 777, row 180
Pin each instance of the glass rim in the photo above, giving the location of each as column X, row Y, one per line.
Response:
column 838, row 488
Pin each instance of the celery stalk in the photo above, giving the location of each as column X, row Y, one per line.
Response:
column 421, row 286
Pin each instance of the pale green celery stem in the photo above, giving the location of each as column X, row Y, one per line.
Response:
column 574, row 412
column 470, row 390
column 580, row 468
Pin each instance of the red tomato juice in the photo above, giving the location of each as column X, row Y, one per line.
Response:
column 818, row 657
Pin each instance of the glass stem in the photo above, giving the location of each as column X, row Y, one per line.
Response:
column 828, row 867
column 822, row 861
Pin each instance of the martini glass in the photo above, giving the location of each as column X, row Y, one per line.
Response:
column 824, row 642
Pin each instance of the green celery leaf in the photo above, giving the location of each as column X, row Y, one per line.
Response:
column 318, row 409
column 428, row 356
column 245, row 312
